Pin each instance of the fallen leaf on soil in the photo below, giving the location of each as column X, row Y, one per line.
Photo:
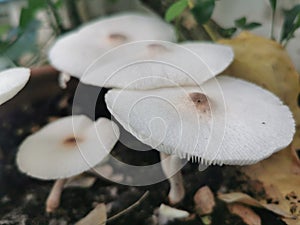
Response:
column 245, row 213
column 266, row 63
column 204, row 201
column 238, row 197
column 81, row 181
column 96, row 217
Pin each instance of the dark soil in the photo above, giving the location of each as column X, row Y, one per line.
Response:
column 22, row 198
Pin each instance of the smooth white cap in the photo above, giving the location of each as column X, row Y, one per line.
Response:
column 12, row 81
column 75, row 51
column 224, row 121
column 156, row 64
column 53, row 153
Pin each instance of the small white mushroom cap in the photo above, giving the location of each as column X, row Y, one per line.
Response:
column 224, row 121
column 75, row 51
column 156, row 64
column 167, row 214
column 11, row 82
column 67, row 147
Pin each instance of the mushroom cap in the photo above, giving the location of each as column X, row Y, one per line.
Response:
column 67, row 147
column 75, row 51
column 157, row 64
column 223, row 121
column 11, row 82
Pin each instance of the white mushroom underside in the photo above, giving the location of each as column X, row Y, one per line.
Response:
column 11, row 82
column 245, row 123
column 75, row 51
column 45, row 154
column 157, row 64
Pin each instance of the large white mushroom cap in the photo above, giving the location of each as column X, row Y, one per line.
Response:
column 224, row 121
column 11, row 82
column 67, row 147
column 156, row 64
column 75, row 51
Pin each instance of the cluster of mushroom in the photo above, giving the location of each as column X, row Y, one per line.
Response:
column 167, row 95
column 72, row 145
column 187, row 112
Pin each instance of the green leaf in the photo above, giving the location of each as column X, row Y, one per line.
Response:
column 175, row 10
column 227, row 32
column 203, row 10
column 273, row 4
column 28, row 13
column 4, row 29
column 251, row 26
column 58, row 4
column 36, row 4
column 242, row 24
column 291, row 23
column 25, row 17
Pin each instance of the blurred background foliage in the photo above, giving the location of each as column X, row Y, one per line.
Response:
column 28, row 27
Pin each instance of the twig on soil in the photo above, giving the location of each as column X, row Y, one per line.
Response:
column 134, row 205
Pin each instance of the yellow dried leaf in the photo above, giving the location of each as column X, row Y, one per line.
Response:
column 266, row 63
column 97, row 216
column 245, row 213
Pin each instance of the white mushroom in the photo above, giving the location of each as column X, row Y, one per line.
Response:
column 167, row 214
column 64, row 148
column 11, row 82
column 223, row 121
column 156, row 64
column 75, row 51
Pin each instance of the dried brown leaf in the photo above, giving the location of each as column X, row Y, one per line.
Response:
column 266, row 63
column 204, row 201
column 97, row 216
column 245, row 213
column 238, row 197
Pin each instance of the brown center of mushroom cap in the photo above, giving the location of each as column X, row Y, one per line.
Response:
column 117, row 38
column 156, row 48
column 72, row 141
column 200, row 100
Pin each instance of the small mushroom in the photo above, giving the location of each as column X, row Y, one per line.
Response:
column 74, row 52
column 223, row 121
column 167, row 214
column 11, row 82
column 157, row 64
column 64, row 148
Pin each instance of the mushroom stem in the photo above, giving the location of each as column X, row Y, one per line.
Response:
column 53, row 199
column 171, row 166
